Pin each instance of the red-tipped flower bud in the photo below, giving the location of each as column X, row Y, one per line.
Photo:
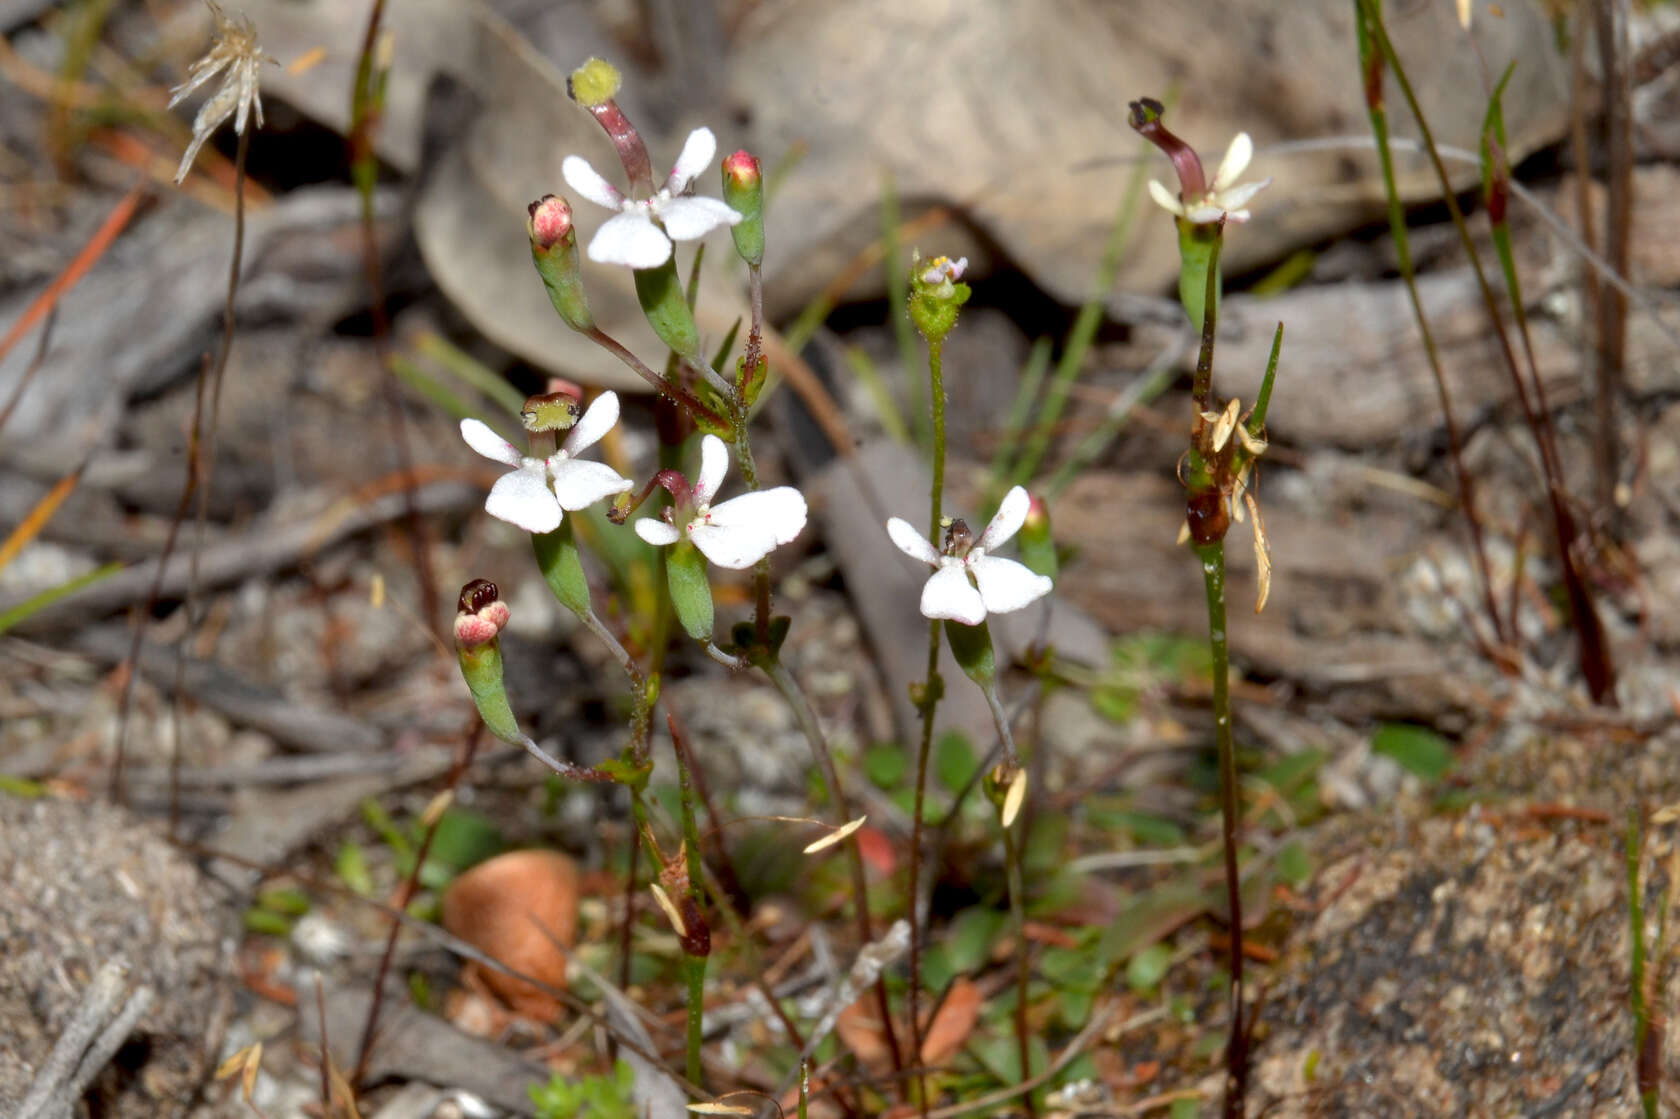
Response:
column 551, row 222
column 481, row 614
column 743, row 190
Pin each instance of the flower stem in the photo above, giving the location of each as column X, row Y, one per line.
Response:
column 640, row 711
column 1018, row 915
column 785, row 683
column 927, row 703
column 694, row 963
column 1213, row 579
column 668, row 389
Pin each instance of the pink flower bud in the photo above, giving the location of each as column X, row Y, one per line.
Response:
column 551, row 221
column 743, row 168
column 481, row 614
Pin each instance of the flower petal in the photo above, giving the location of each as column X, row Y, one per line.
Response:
column 1234, row 198
column 595, row 422
column 657, row 533
column 780, row 511
column 198, row 73
column 1235, row 161
column 579, row 483
column 697, row 153
column 1007, row 521
column 949, row 594
column 714, row 463
column 487, row 443
column 733, row 546
column 630, row 239
column 522, row 497
column 911, row 542
column 1204, row 213
column 584, row 179
column 1165, row 198
column 1006, row 585
column 689, row 219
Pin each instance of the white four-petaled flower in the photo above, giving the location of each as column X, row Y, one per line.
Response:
column 966, row 587
column 640, row 234
column 1224, row 197
column 535, row 492
column 736, row 533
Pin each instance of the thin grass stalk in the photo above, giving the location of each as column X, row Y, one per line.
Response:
column 785, row 683
column 1012, row 855
column 411, row 885
column 898, row 293
column 1371, row 65
column 198, row 472
column 366, row 105
column 1615, row 65
column 1636, row 962
column 1084, row 329
column 694, row 963
column 927, row 703
column 1597, row 667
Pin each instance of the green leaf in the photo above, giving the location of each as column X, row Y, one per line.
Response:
column 1147, row 967
column 886, row 765
column 1419, row 750
column 1145, row 829
column 953, row 760
column 968, row 944
column 350, row 864
column 465, row 839
column 1294, row 864
column 268, row 922
column 21, row 787
column 284, row 899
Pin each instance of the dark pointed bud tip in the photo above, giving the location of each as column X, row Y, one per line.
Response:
column 1144, row 111
column 551, row 221
column 481, row 614
column 744, row 168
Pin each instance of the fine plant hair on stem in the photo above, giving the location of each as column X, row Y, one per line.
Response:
column 1597, row 667
column 370, row 1027
column 198, row 479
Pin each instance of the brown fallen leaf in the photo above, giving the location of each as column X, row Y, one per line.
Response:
column 522, row 909
column 859, row 1027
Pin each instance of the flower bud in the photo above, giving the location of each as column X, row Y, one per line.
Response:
column 1038, row 550
column 554, row 250
column 660, row 292
column 935, row 296
column 743, row 190
column 480, row 614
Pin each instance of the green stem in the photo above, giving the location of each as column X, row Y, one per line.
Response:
column 694, row 965
column 1018, row 914
column 1636, row 966
column 806, row 716
column 641, row 710
column 927, row 703
column 1213, row 578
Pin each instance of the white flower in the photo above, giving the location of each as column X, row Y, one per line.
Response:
column 965, row 587
column 534, row 493
column 1223, row 198
column 235, row 50
column 640, row 235
column 736, row 533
